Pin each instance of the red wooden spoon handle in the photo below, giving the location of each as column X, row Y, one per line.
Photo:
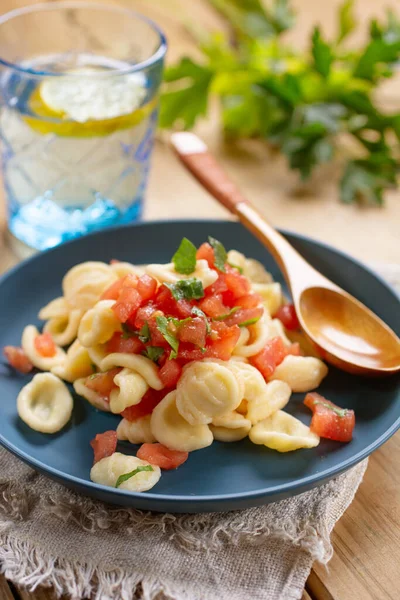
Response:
column 196, row 157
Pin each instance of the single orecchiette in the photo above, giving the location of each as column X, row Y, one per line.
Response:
column 45, row 403
column 231, row 427
column 139, row 364
column 206, row 390
column 271, row 294
column 136, row 432
column 77, row 364
column 97, row 354
column 84, row 283
column 107, row 471
column 172, row 430
column 98, row 324
column 44, row 363
column 64, row 329
column 276, row 329
column 125, row 268
column 284, row 433
column 91, row 396
column 252, row 268
column 54, row 309
column 301, row 373
column 131, row 387
column 253, row 338
column 166, row 273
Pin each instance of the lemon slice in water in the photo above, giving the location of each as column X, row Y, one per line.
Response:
column 88, row 106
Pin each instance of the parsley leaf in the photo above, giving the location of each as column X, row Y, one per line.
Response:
column 153, row 352
column 127, row 332
column 199, row 313
column 186, row 289
column 162, row 326
column 144, row 333
column 322, row 53
column 229, row 314
column 236, row 267
column 184, row 258
column 220, row 254
column 249, row 322
column 127, row 476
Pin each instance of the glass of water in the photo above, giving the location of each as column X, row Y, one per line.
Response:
column 79, row 92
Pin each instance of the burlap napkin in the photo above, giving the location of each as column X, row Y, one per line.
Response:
column 52, row 536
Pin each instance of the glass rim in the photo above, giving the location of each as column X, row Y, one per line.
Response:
column 157, row 56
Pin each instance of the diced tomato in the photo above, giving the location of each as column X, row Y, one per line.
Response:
column 114, row 261
column 245, row 316
column 228, row 298
column 270, row 357
column 295, row 349
column 102, row 383
column 146, row 405
column 188, row 352
column 119, row 343
column 147, row 287
column 113, row 292
column 104, row 444
column 170, row 373
column 249, row 301
column 143, row 315
column 17, row 359
column 161, row 456
column 238, row 284
column 44, row 344
column 207, row 253
column 128, row 302
column 218, row 287
column 213, row 306
column 329, row 420
column 222, row 341
column 193, row 332
column 287, row 315
column 156, row 337
column 180, row 309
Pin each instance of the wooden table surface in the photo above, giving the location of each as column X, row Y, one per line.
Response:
column 365, row 565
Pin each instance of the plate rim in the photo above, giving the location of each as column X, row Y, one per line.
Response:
column 296, row 485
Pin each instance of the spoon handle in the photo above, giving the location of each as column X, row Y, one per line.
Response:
column 199, row 161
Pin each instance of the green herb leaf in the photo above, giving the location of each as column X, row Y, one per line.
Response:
column 162, row 326
column 347, row 22
column 236, row 267
column 199, row 313
column 322, row 53
column 184, row 258
column 144, row 333
column 379, row 53
column 153, row 352
column 127, row 332
column 229, row 314
column 220, row 255
column 340, row 412
column 127, row 476
column 186, row 289
column 249, row 322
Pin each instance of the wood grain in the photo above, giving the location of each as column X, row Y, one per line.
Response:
column 365, row 565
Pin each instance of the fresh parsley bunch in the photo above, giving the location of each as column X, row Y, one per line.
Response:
column 308, row 104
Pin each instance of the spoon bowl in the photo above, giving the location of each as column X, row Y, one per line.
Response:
column 345, row 331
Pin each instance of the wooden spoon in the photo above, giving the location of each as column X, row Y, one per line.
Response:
column 346, row 333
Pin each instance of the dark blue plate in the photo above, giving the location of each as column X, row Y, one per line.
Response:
column 223, row 476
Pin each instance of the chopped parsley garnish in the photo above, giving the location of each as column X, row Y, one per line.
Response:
column 127, row 332
column 229, row 314
column 184, row 258
column 199, row 313
column 162, row 326
column 340, row 412
column 144, row 333
column 220, row 254
column 236, row 267
column 186, row 289
column 249, row 322
column 153, row 352
column 127, row 476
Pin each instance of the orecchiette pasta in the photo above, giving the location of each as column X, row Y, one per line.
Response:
column 276, row 329
column 206, row 390
column 231, row 427
column 97, row 354
column 54, row 309
column 284, row 433
column 45, row 403
column 91, row 396
column 64, row 329
column 107, row 471
column 253, row 339
column 98, row 324
column 166, row 273
column 136, row 363
column 77, row 364
column 172, row 430
column 125, row 268
column 130, row 389
column 84, row 283
column 44, row 363
column 301, row 373
column 136, row 432
column 271, row 294
column 251, row 268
